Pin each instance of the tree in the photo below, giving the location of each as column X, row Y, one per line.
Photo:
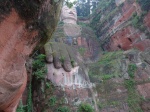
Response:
column 145, row 4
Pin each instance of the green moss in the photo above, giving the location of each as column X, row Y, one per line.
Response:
column 82, row 50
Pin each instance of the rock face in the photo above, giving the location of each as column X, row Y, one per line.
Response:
column 128, row 38
column 125, row 28
column 147, row 21
column 20, row 33
column 112, row 77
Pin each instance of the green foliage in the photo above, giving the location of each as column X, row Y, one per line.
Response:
column 21, row 107
column 137, row 21
column 63, row 109
column 100, row 105
column 61, row 23
column 29, row 100
column 131, row 70
column 52, row 101
column 62, row 59
column 39, row 68
column 133, row 97
column 83, row 107
column 107, row 67
column 103, row 4
column 105, row 8
column 48, row 85
column 106, row 77
column 129, row 84
column 82, row 50
column 108, row 57
column 83, row 9
column 70, row 4
column 40, row 73
column 82, row 24
column 145, row 4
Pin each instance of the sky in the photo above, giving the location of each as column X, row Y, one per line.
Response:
column 72, row 0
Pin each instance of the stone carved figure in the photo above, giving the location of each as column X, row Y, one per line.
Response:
column 69, row 15
column 65, row 64
column 65, row 61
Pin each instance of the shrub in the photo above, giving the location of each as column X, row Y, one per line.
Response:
column 63, row 109
column 39, row 69
column 131, row 70
column 85, row 108
column 52, row 101
column 129, row 84
column 82, row 51
column 21, row 107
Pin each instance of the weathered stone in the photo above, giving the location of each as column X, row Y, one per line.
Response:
column 144, row 90
column 21, row 30
column 67, row 65
column 69, row 15
column 126, row 76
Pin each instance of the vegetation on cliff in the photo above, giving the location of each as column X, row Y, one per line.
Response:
column 107, row 67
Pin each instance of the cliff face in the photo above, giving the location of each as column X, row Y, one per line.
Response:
column 23, row 26
column 125, row 25
column 121, row 79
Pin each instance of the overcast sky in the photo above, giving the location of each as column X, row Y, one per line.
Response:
column 72, row 0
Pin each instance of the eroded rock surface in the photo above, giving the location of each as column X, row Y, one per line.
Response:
column 126, row 27
column 20, row 32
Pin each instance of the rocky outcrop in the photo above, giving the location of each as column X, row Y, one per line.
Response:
column 127, row 26
column 126, row 39
column 23, row 26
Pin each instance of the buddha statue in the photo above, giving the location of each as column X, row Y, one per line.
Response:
column 66, row 68
column 69, row 15
column 65, row 65
column 69, row 18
